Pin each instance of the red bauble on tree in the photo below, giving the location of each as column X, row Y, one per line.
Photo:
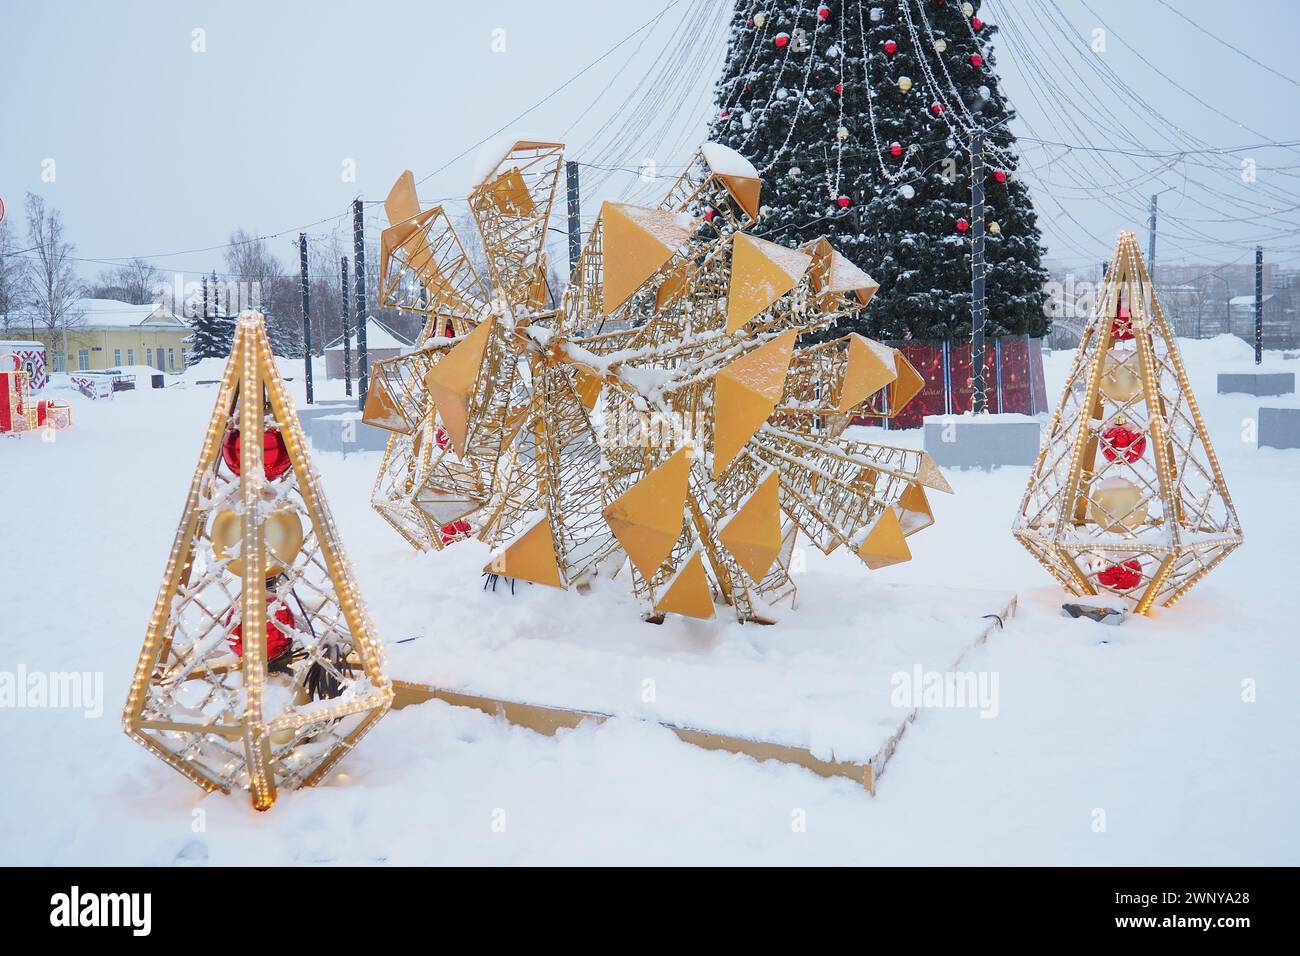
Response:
column 895, row 149
column 278, row 642
column 976, row 60
column 891, row 47
column 1122, row 577
column 440, row 437
column 842, row 202
column 1118, row 440
column 839, row 89
column 999, row 175
column 963, row 225
column 976, row 23
column 936, row 109
column 724, row 114
column 823, row 12
column 275, row 456
column 709, row 214
column 781, row 39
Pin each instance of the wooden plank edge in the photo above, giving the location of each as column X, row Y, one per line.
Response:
column 549, row 720
column 879, row 761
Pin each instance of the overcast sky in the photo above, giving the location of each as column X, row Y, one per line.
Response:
column 160, row 148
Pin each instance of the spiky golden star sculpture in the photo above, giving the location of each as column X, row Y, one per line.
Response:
column 664, row 413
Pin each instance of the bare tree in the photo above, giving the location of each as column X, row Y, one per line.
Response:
column 134, row 282
column 11, row 270
column 266, row 286
column 50, row 287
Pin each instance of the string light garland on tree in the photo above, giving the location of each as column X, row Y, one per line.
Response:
column 901, row 74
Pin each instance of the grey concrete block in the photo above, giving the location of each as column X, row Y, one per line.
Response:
column 1257, row 383
column 983, row 441
column 307, row 413
column 1279, row 428
column 343, row 430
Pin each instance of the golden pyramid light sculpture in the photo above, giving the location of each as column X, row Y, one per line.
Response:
column 260, row 668
column 663, row 416
column 1127, row 497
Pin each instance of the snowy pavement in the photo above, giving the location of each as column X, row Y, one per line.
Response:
column 1168, row 740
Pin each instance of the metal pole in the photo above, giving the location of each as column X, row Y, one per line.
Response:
column 306, row 312
column 1151, row 240
column 575, row 209
column 359, row 259
column 347, row 327
column 979, row 403
column 1259, row 304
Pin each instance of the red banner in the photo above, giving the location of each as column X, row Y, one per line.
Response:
column 928, row 359
column 959, row 377
column 1013, row 379
column 1013, row 376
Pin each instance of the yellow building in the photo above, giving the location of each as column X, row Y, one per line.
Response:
column 112, row 334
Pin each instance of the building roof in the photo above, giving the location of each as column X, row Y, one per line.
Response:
column 114, row 314
column 1247, row 299
column 377, row 337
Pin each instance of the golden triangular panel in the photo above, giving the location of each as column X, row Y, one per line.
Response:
column 871, row 366
column 746, row 392
column 261, row 729
column 753, row 533
column 914, row 509
column 510, row 195
column 907, row 385
column 833, row 275
column 688, row 593
column 637, row 242
column 885, row 543
column 672, row 288
column 647, row 518
column 450, row 383
column 761, row 272
column 530, row 557
column 745, row 190
column 381, row 411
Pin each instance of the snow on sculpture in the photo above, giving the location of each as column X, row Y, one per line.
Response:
column 665, row 415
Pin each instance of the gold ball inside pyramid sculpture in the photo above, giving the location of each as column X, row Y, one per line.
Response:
column 667, row 415
column 1127, row 497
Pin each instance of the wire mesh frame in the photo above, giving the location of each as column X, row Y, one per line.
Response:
column 196, row 706
column 1175, row 521
column 528, row 416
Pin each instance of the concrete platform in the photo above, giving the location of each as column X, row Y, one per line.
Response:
column 834, row 700
column 1279, row 428
column 982, row 441
column 337, row 426
column 1257, row 383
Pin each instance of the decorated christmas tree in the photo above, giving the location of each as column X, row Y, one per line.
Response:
column 859, row 117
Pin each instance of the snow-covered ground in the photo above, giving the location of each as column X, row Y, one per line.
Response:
column 1129, row 745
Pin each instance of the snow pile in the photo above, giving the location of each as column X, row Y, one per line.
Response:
column 491, row 154
column 1151, row 721
column 725, row 161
